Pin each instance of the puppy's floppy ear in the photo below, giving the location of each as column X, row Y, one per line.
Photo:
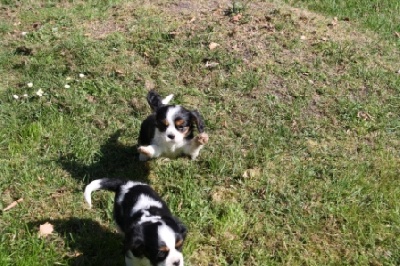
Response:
column 177, row 224
column 134, row 241
column 196, row 118
column 182, row 229
column 154, row 100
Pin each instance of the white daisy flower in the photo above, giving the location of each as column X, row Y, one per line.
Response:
column 68, row 78
column 25, row 95
column 67, row 86
column 30, row 85
column 16, row 97
column 39, row 93
column 24, row 33
column 81, row 75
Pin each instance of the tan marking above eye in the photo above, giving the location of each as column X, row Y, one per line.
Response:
column 165, row 122
column 179, row 243
column 179, row 122
column 164, row 248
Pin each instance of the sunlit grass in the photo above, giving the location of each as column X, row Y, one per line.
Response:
column 302, row 164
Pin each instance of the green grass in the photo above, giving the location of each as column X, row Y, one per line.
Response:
column 302, row 164
column 380, row 16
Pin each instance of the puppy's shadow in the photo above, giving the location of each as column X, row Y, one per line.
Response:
column 87, row 242
column 115, row 161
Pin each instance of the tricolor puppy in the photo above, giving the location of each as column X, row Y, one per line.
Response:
column 169, row 130
column 153, row 236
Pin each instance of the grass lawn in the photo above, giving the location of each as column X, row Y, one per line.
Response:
column 302, row 110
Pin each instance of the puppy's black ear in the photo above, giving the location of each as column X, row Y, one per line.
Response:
column 134, row 241
column 154, row 100
column 182, row 229
column 196, row 118
column 175, row 223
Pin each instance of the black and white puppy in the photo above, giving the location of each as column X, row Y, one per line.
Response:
column 153, row 236
column 169, row 130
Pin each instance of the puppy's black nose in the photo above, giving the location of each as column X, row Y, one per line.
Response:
column 171, row 137
column 176, row 263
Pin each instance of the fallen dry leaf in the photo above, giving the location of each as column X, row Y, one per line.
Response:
column 91, row 98
column 46, row 229
column 397, row 34
column 251, row 173
column 213, row 45
column 364, row 116
column 13, row 204
column 236, row 18
column 334, row 22
column 211, row 64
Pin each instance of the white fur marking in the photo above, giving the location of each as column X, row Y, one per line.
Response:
column 167, row 235
column 171, row 129
column 125, row 189
column 144, row 202
column 167, row 99
column 93, row 186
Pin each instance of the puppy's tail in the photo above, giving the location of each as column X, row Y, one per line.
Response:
column 104, row 183
column 155, row 101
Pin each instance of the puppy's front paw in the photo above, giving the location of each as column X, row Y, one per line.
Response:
column 202, row 138
column 145, row 151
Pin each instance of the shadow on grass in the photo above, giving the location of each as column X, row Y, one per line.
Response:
column 116, row 161
column 88, row 243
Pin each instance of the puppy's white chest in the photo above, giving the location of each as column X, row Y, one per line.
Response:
column 168, row 148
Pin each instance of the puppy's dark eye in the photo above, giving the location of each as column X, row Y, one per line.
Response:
column 182, row 129
column 162, row 253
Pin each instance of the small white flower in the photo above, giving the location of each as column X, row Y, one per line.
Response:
column 39, row 93
column 68, row 78
column 81, row 75
column 16, row 97
column 67, row 86
column 24, row 33
column 30, row 85
column 25, row 95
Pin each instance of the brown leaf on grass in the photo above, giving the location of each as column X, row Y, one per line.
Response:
column 334, row 22
column 91, row 98
column 13, row 204
column 213, row 45
column 173, row 34
column 211, row 64
column 364, row 116
column 397, row 34
column 251, row 173
column 236, row 18
column 46, row 229
column 119, row 73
